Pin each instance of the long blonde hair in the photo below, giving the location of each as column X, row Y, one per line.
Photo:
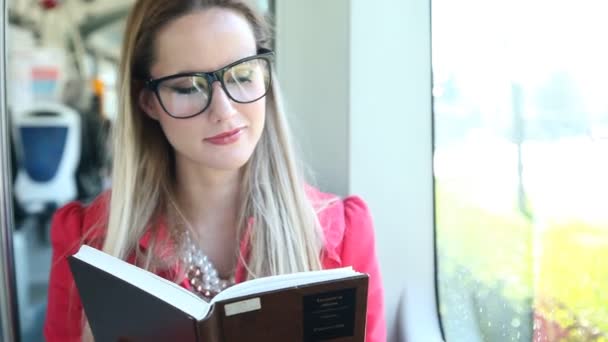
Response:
column 285, row 237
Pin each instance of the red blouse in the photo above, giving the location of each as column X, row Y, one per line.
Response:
column 349, row 241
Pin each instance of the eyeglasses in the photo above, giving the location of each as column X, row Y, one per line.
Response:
column 186, row 95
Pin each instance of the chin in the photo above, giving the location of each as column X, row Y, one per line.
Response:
column 229, row 166
column 231, row 163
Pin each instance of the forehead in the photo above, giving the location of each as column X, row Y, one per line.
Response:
column 204, row 40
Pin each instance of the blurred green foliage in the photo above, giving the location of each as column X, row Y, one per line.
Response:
column 556, row 272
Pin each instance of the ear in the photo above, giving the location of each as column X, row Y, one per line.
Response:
column 146, row 103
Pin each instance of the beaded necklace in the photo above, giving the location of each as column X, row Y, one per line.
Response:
column 200, row 271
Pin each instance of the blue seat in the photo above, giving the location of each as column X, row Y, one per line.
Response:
column 44, row 146
column 48, row 140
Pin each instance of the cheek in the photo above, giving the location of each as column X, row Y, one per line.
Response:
column 256, row 114
column 178, row 132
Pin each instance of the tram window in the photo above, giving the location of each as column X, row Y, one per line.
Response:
column 520, row 165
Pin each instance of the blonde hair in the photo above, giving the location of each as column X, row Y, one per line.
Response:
column 285, row 236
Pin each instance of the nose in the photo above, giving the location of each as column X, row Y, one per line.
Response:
column 221, row 107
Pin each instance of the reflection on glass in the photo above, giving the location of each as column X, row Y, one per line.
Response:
column 521, row 126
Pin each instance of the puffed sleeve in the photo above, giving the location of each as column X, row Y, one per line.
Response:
column 64, row 319
column 359, row 251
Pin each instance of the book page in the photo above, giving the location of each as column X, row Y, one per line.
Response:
column 273, row 283
column 149, row 282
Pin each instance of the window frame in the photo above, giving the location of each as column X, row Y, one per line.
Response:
column 419, row 307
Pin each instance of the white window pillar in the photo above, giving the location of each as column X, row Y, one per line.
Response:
column 313, row 61
column 357, row 82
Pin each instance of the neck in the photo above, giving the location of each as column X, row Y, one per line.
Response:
column 209, row 199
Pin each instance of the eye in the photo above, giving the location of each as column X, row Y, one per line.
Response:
column 186, row 91
column 186, row 85
column 240, row 74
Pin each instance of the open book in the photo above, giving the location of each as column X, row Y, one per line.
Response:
column 123, row 302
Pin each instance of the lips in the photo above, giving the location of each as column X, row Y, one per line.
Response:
column 227, row 137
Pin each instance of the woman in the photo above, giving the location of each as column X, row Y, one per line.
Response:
column 203, row 165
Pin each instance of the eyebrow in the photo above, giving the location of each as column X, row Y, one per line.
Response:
column 190, row 71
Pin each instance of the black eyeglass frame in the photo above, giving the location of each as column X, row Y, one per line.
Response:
column 213, row 76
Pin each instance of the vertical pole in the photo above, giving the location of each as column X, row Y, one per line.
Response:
column 8, row 291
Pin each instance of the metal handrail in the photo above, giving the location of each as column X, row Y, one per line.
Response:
column 9, row 323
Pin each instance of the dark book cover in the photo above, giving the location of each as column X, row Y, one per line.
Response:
column 119, row 311
column 328, row 311
column 332, row 310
